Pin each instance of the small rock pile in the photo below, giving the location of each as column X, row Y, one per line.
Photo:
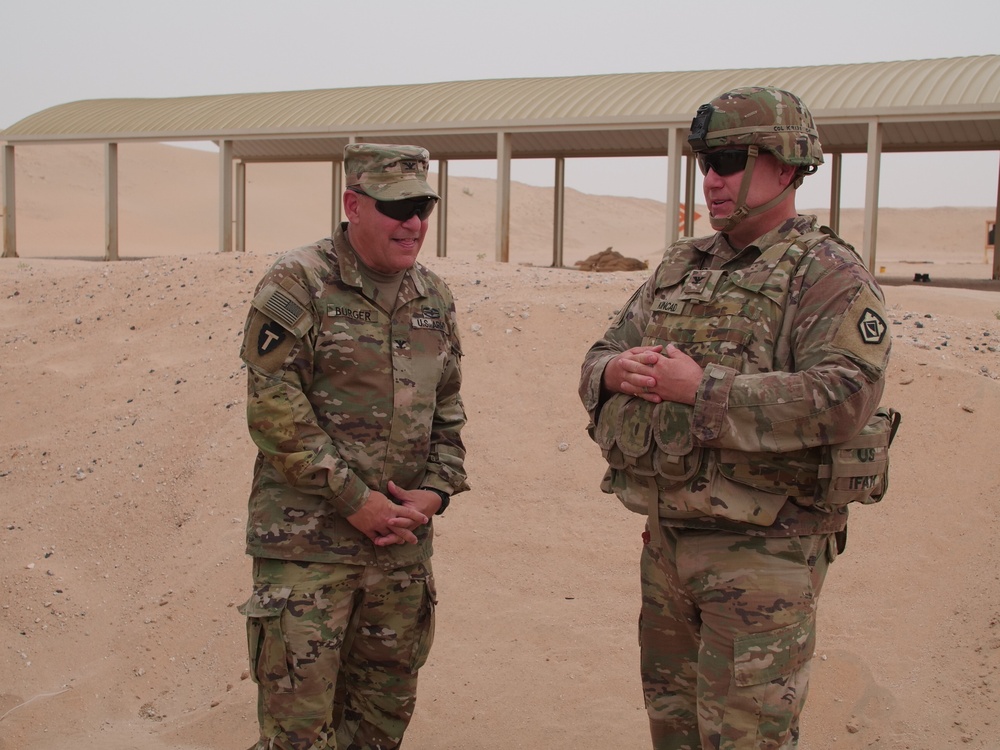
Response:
column 611, row 260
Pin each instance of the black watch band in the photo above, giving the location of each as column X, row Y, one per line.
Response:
column 445, row 499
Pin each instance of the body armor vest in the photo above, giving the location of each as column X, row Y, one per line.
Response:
column 718, row 317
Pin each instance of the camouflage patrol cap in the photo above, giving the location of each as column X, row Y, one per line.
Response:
column 388, row 172
column 770, row 118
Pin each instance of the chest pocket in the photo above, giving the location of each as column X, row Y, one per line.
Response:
column 421, row 348
column 706, row 316
column 352, row 335
column 427, row 330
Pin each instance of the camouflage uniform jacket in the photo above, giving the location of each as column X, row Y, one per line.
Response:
column 344, row 395
column 791, row 335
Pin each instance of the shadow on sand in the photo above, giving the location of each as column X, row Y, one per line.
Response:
column 988, row 285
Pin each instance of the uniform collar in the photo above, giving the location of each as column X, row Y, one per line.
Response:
column 786, row 230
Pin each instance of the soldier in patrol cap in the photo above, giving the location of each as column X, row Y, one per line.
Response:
column 735, row 400
column 354, row 368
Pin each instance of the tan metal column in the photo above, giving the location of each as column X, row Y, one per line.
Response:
column 871, row 192
column 336, row 194
column 836, row 178
column 996, row 242
column 241, row 206
column 559, row 212
column 338, row 186
column 675, row 148
column 9, row 212
column 110, row 201
column 225, row 196
column 689, row 198
column 442, row 209
column 503, row 196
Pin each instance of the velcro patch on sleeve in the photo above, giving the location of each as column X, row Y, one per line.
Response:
column 285, row 307
column 267, row 344
column 863, row 331
column 280, row 318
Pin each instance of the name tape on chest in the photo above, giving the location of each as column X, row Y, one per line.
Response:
column 669, row 306
column 360, row 314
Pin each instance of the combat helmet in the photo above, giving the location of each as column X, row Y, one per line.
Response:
column 758, row 118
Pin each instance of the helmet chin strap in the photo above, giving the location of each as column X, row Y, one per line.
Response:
column 726, row 224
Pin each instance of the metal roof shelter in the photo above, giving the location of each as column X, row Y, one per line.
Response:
column 948, row 104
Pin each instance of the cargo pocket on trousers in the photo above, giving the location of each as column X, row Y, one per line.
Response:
column 265, row 639
column 425, row 625
column 760, row 658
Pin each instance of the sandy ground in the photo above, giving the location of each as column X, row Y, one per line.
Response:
column 125, row 464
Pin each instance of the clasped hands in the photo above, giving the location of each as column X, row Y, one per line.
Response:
column 654, row 374
column 391, row 521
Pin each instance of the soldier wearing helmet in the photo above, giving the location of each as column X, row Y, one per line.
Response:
column 729, row 397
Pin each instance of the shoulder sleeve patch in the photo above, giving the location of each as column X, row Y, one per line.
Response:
column 267, row 344
column 280, row 317
column 863, row 332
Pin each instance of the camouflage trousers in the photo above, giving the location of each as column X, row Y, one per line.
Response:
column 727, row 629
column 335, row 650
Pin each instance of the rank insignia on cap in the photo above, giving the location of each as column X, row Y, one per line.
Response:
column 871, row 326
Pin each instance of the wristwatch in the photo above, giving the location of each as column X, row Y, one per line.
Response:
column 445, row 499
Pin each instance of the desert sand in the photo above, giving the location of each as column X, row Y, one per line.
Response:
column 125, row 465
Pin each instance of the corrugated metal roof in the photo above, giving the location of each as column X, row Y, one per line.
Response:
column 938, row 104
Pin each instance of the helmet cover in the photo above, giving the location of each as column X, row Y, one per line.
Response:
column 772, row 119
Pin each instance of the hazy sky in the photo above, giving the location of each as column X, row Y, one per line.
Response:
column 55, row 51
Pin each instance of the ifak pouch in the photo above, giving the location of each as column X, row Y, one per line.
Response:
column 857, row 470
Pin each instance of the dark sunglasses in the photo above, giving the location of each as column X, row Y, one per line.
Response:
column 725, row 162
column 405, row 209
